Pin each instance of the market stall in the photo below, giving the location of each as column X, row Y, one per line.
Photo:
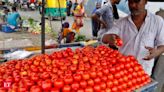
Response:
column 89, row 69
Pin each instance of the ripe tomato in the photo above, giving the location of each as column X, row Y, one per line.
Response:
column 99, row 74
column 97, row 88
column 97, row 80
column 119, row 42
column 103, row 85
column 86, row 76
column 89, row 89
column 58, row 83
column 46, row 85
column 108, row 90
column 90, row 82
column 83, row 84
column 77, row 77
column 68, row 80
column 66, row 88
column 75, row 86
column 55, row 90
column 104, row 78
column 109, row 83
column 115, row 89
column 93, row 74
column 105, row 71
column 80, row 90
column 35, row 89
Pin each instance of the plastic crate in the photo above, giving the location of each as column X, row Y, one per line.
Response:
column 7, row 29
column 151, row 87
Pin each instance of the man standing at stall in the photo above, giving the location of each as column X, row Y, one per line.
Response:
column 142, row 34
column 104, row 15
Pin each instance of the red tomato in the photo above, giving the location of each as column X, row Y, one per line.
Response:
column 105, row 71
column 35, row 89
column 85, row 59
column 90, row 82
column 66, row 88
column 68, row 80
column 109, row 83
column 115, row 82
column 112, row 70
column 83, row 84
column 103, row 85
column 117, row 75
column 45, row 75
column 75, row 86
column 93, row 74
column 77, row 77
column 80, row 90
column 110, row 76
column 86, row 76
column 97, row 88
column 108, row 90
column 99, row 74
column 46, row 85
column 58, row 83
column 55, row 90
column 119, row 42
column 97, row 80
column 89, row 89
column 104, row 78
column 115, row 89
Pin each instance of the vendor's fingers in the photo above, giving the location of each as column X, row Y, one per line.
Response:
column 112, row 40
column 149, row 48
column 151, row 56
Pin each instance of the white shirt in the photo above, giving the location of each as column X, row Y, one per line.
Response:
column 150, row 34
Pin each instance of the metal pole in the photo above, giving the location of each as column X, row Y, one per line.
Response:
column 43, row 28
column 61, row 20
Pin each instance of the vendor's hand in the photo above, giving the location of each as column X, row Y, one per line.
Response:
column 152, row 53
column 112, row 40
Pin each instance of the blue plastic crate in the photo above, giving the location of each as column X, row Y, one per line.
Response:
column 7, row 29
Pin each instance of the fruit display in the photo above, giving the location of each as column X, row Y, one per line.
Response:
column 86, row 69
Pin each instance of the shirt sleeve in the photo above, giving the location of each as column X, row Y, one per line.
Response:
column 114, row 30
column 159, row 36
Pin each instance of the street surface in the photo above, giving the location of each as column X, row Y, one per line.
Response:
column 36, row 38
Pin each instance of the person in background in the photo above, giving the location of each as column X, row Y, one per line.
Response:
column 13, row 18
column 104, row 15
column 95, row 24
column 66, row 29
column 4, row 17
column 70, row 37
column 115, row 12
column 74, row 6
column 64, row 32
column 6, row 12
column 79, row 13
column 142, row 34
column 69, row 6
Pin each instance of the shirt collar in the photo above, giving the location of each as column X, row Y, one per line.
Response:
column 109, row 3
column 147, row 17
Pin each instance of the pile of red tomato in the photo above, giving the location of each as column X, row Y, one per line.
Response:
column 87, row 69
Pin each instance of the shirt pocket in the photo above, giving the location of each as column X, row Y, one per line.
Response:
column 148, row 39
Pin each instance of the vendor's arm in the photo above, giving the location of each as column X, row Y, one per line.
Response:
column 154, row 52
column 159, row 42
